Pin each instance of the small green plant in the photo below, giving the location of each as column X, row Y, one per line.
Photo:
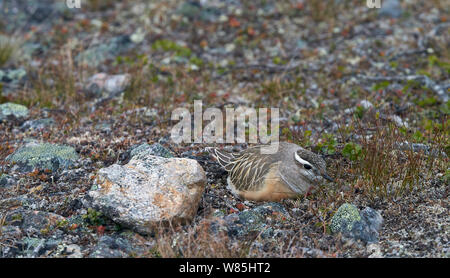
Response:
column 433, row 60
column 278, row 61
column 196, row 61
column 168, row 45
column 394, row 64
column 287, row 132
column 17, row 217
column 359, row 111
column 46, row 230
column 381, row 85
column 306, row 141
column 427, row 101
column 418, row 137
column 62, row 224
column 94, row 217
column 328, row 144
column 352, row 151
column 446, row 176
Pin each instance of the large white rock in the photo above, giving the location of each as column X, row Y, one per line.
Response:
column 149, row 191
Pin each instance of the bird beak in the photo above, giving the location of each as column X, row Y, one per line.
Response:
column 327, row 177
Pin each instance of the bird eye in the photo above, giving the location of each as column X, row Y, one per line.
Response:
column 307, row 166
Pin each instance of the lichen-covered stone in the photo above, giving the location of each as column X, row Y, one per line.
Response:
column 149, row 191
column 38, row 124
column 344, row 219
column 101, row 52
column 14, row 110
column 154, row 149
column 43, row 156
column 256, row 221
column 390, row 8
column 31, row 221
column 352, row 223
column 3, row 180
column 111, row 247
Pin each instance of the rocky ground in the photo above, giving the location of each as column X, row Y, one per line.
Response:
column 88, row 167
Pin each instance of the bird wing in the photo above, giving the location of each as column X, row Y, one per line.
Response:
column 247, row 169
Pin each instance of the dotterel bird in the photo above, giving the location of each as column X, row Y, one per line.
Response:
column 290, row 171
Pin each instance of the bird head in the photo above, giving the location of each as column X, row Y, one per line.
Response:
column 311, row 166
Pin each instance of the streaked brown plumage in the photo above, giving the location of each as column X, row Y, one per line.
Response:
column 287, row 173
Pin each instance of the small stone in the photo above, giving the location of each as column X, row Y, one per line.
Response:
column 74, row 251
column 344, row 219
column 398, row 121
column 138, row 36
column 154, row 149
column 229, row 47
column 390, row 8
column 5, row 181
column 33, row 247
column 256, row 220
column 13, row 110
column 374, row 250
column 97, row 54
column 419, row 147
column 111, row 247
column 302, row 44
column 149, row 191
column 33, row 221
column 12, row 75
column 43, row 156
column 39, row 124
column 104, row 85
column 366, row 104
column 104, row 126
column 354, row 224
column 372, row 217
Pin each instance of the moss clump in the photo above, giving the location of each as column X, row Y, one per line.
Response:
column 345, row 218
column 43, row 156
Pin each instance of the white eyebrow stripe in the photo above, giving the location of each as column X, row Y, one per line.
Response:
column 299, row 159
